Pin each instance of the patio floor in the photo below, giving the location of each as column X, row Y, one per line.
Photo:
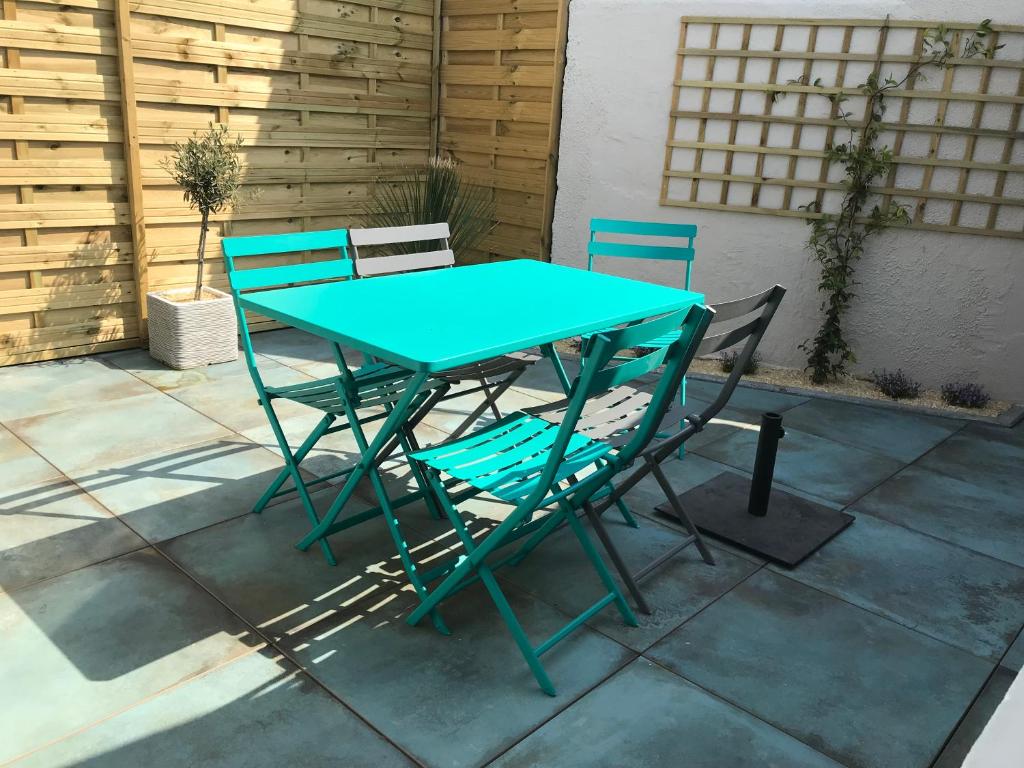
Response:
column 146, row 618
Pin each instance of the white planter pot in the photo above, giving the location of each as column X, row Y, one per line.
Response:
column 185, row 334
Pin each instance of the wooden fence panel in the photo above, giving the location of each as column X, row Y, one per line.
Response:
column 500, row 102
column 67, row 282
column 326, row 95
column 322, row 98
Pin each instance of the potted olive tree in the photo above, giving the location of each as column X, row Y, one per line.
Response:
column 189, row 327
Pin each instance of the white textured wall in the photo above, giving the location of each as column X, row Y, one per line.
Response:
column 940, row 306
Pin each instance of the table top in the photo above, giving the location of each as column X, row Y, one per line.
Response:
column 442, row 318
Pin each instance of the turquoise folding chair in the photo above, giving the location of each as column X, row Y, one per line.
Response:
column 682, row 251
column 373, row 388
column 491, row 377
column 535, row 464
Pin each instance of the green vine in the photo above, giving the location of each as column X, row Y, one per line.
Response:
column 837, row 239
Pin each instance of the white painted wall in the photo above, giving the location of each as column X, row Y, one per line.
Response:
column 940, row 306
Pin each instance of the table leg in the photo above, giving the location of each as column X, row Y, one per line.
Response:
column 549, row 352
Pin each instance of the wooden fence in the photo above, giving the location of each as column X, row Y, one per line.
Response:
column 324, row 93
column 501, row 80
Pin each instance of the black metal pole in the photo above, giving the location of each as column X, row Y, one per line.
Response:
column 764, row 463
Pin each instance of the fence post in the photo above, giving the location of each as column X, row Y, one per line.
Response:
column 132, row 161
column 435, row 82
column 554, row 130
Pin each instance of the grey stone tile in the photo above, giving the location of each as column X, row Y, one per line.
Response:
column 1014, row 658
column 23, row 467
column 646, row 717
column 233, row 400
column 899, row 434
column 476, row 677
column 257, row 711
column 347, row 627
column 980, row 516
column 559, row 573
column 99, row 639
column 59, row 385
column 950, row 593
column 84, row 441
column 141, row 364
column 251, row 563
column 977, row 458
column 975, row 720
column 292, row 347
column 1011, row 435
column 831, row 470
column 753, row 401
column 186, row 488
column 851, row 684
column 52, row 529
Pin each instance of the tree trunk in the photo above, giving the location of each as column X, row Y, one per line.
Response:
column 201, row 254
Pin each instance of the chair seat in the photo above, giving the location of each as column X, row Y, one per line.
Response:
column 506, row 458
column 376, row 384
column 655, row 343
column 486, row 369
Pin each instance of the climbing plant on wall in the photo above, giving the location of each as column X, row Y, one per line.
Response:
column 837, row 240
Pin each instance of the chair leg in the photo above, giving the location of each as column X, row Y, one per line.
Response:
column 292, row 467
column 522, row 641
column 492, row 397
column 299, row 455
column 616, row 558
column 546, row 529
column 410, row 445
column 602, row 569
column 392, row 522
column 684, row 519
column 682, row 422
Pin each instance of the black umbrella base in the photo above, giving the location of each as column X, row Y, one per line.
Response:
column 793, row 528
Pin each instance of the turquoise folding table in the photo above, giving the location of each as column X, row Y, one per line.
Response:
column 435, row 320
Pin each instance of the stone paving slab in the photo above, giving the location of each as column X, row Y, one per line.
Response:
column 950, row 593
column 646, row 717
column 860, row 657
column 257, row 712
column 94, row 641
column 53, row 529
column 859, row 688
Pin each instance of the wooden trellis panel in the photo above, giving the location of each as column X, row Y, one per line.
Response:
column 501, row 80
column 751, row 118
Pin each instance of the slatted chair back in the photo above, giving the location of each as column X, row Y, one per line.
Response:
column 261, row 278
column 420, row 236
column 681, row 250
column 602, row 370
column 749, row 333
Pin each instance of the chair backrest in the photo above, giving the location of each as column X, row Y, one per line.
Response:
column 258, row 278
column 681, row 249
column 422, row 234
column 749, row 333
column 602, row 369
